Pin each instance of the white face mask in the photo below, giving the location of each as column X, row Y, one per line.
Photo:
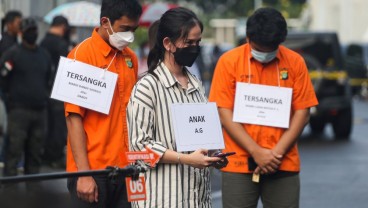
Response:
column 262, row 56
column 120, row 40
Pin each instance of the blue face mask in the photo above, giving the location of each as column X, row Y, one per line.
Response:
column 264, row 57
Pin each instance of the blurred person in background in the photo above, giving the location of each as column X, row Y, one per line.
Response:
column 10, row 29
column 56, row 44
column 3, row 125
column 152, row 32
column 71, row 36
column 143, row 55
column 10, row 32
column 96, row 140
column 263, row 151
column 145, row 48
column 26, row 67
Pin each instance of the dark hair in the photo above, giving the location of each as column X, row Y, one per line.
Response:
column 267, row 27
column 10, row 16
column 152, row 32
column 174, row 24
column 59, row 20
column 28, row 24
column 115, row 9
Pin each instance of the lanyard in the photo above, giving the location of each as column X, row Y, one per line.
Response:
column 105, row 69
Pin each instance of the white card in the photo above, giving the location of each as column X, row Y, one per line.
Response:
column 197, row 125
column 84, row 85
column 262, row 105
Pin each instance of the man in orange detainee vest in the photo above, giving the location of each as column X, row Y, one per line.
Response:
column 96, row 140
column 267, row 162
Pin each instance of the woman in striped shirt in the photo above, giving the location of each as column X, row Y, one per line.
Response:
column 179, row 179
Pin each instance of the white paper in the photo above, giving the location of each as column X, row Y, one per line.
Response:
column 262, row 105
column 197, row 125
column 84, row 85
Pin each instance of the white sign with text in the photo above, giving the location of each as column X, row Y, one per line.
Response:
column 262, row 105
column 84, row 85
column 197, row 125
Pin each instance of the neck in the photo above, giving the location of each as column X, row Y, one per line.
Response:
column 102, row 32
column 174, row 68
column 29, row 46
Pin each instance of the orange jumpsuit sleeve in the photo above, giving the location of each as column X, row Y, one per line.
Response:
column 303, row 91
column 223, row 83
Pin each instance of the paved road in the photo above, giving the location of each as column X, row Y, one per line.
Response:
column 334, row 173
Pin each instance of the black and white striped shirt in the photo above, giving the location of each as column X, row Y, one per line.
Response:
column 150, row 123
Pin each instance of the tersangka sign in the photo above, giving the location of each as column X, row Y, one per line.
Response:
column 84, row 85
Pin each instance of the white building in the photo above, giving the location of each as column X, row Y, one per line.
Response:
column 349, row 18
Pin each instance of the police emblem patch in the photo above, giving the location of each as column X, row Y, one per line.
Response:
column 284, row 74
column 129, row 62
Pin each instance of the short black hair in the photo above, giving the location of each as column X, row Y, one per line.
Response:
column 59, row 20
column 115, row 9
column 28, row 24
column 267, row 27
column 11, row 15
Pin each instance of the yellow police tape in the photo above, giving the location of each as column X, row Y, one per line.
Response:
column 358, row 82
column 337, row 75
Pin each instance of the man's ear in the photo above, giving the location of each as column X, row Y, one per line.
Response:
column 105, row 23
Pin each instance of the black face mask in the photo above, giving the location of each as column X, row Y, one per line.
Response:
column 30, row 37
column 186, row 56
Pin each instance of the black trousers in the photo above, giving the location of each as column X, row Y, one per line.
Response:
column 111, row 193
column 26, row 131
column 57, row 133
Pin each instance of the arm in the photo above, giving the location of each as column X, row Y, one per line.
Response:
column 197, row 159
column 6, row 67
column 298, row 121
column 303, row 98
column 86, row 186
column 267, row 160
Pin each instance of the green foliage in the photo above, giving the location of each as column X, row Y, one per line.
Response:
column 212, row 9
column 289, row 8
column 140, row 35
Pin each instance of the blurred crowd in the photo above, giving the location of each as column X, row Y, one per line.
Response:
column 32, row 126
